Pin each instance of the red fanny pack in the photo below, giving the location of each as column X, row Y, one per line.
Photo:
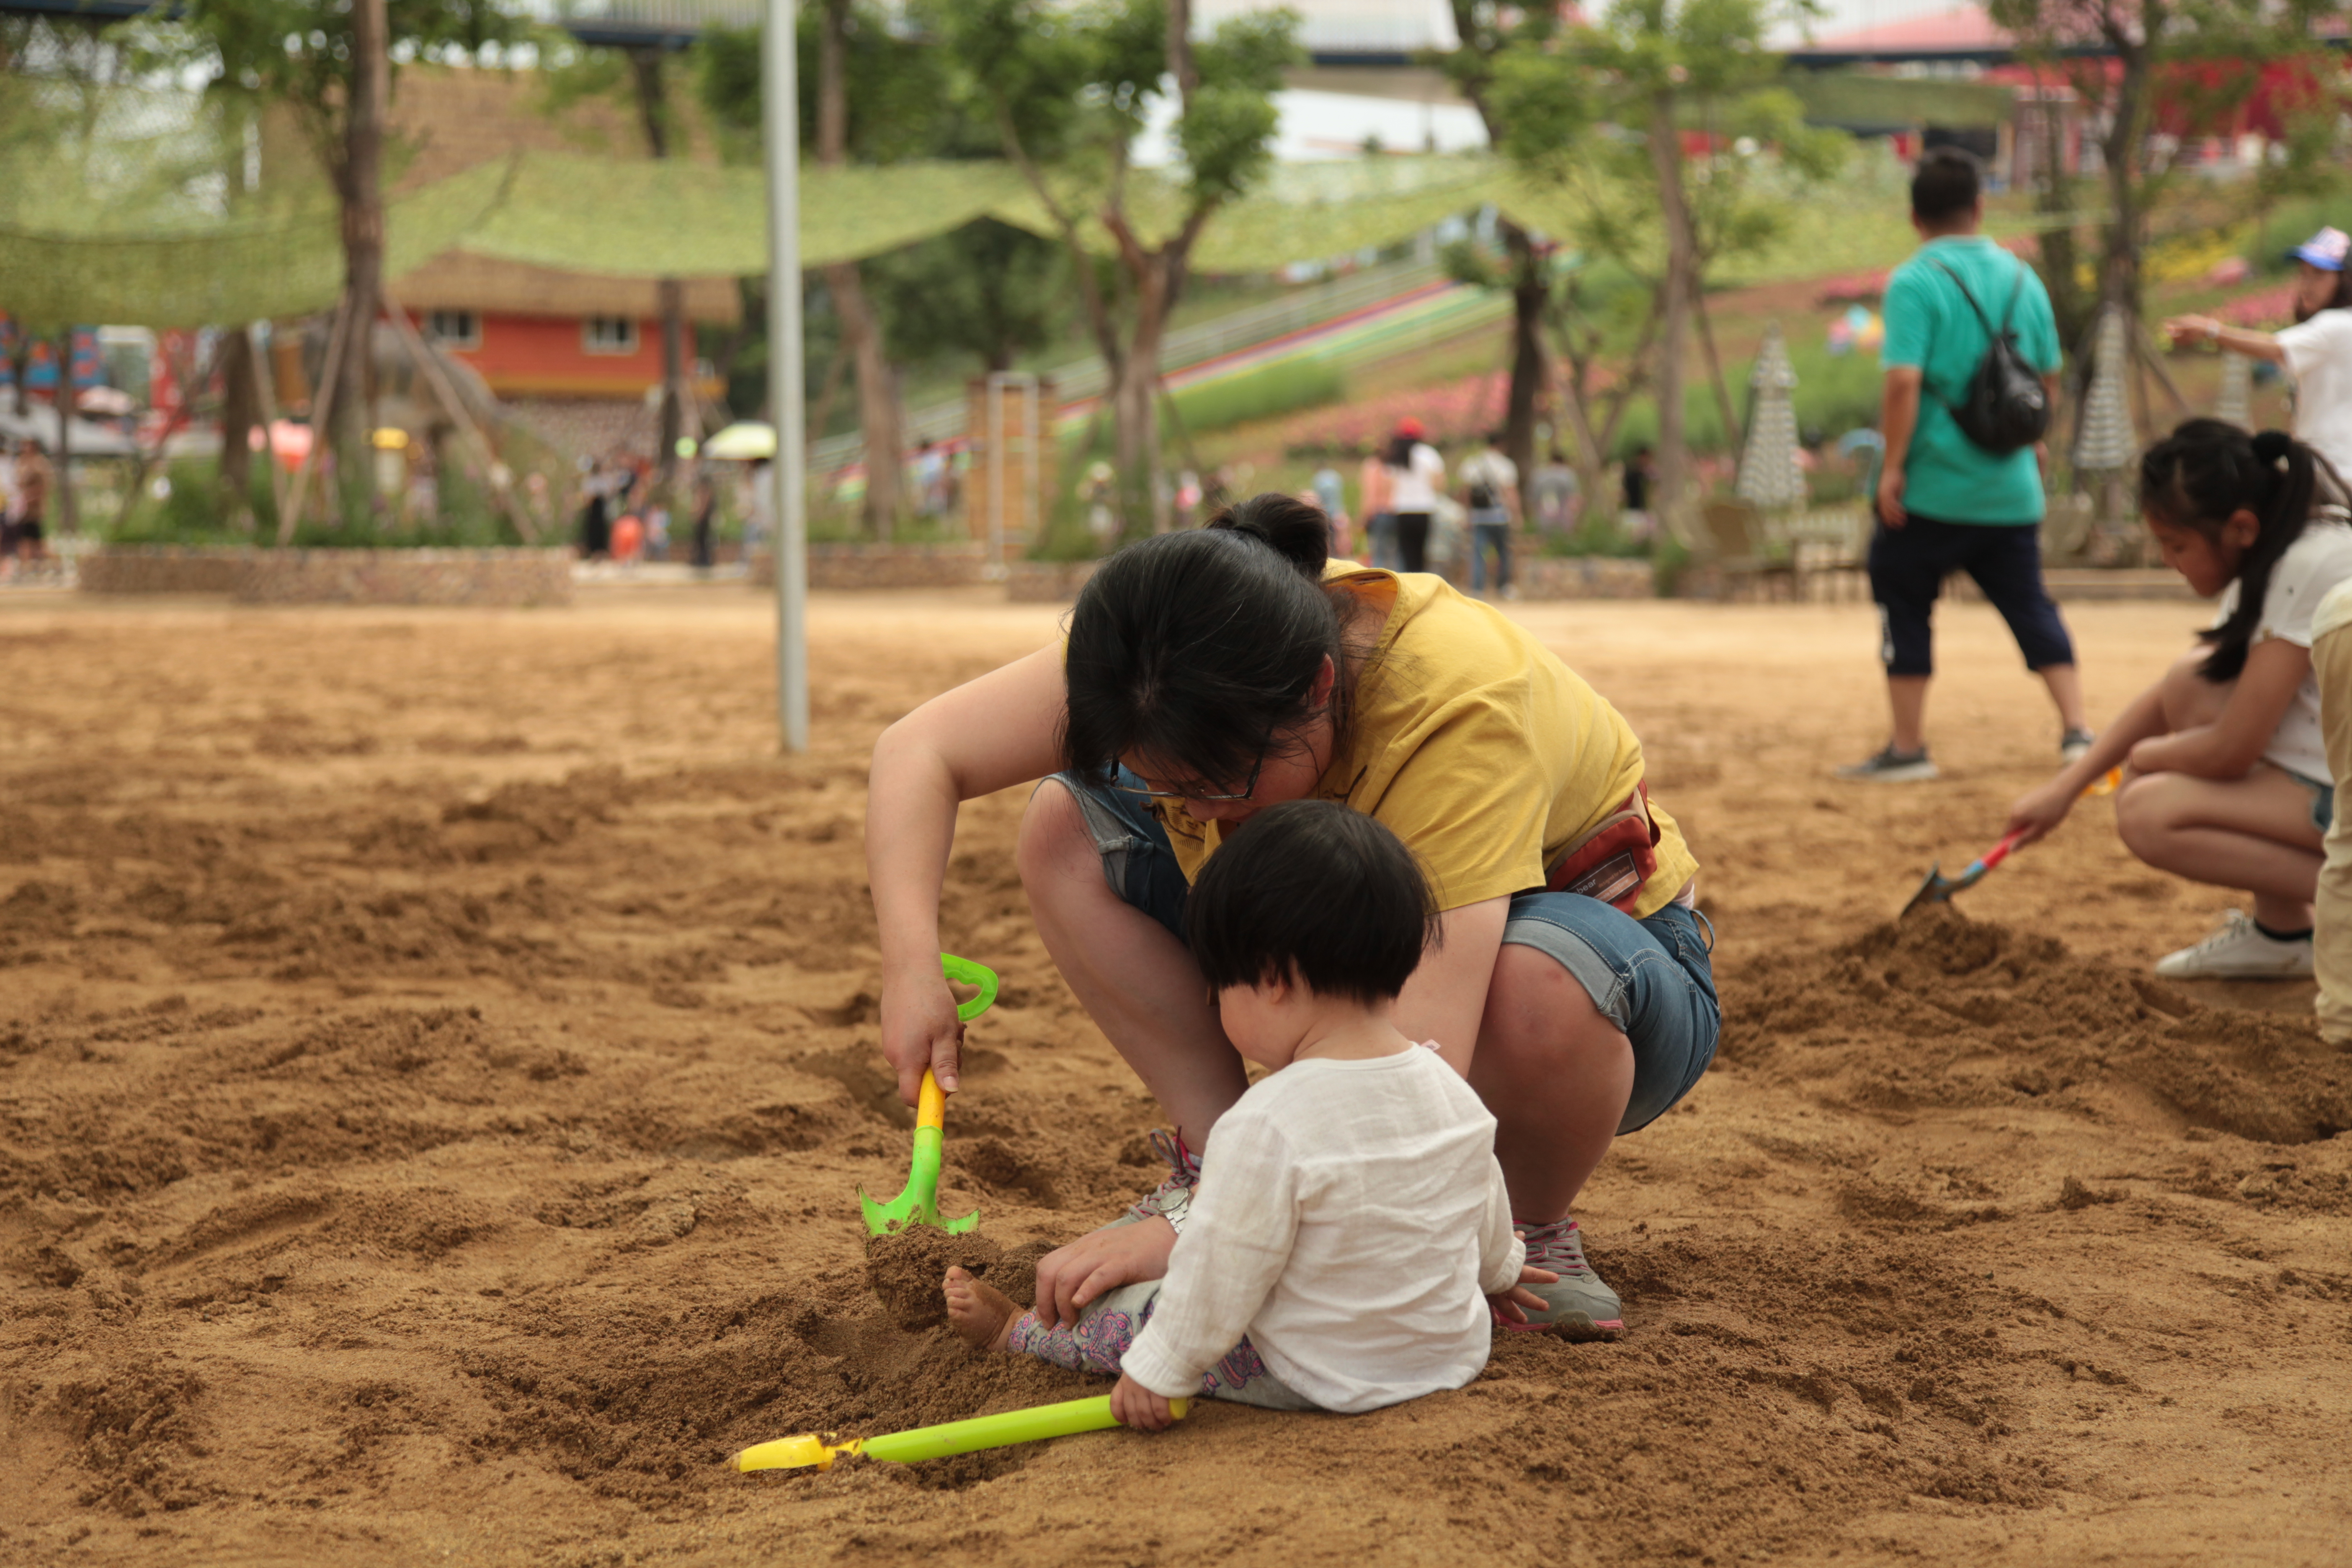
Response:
column 1614, row 861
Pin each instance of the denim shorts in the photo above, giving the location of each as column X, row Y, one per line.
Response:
column 2322, row 799
column 1653, row 978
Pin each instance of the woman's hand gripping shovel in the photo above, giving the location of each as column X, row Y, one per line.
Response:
column 919, row 1204
column 1938, row 888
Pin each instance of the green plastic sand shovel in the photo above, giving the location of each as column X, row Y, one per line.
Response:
column 939, row 1442
column 919, row 1204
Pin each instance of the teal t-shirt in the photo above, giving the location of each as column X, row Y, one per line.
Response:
column 1929, row 325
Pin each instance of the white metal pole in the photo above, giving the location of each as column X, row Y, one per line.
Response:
column 786, row 379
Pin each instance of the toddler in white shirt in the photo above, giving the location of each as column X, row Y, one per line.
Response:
column 1349, row 1243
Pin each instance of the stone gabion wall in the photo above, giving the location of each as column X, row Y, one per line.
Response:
column 490, row 578
column 1046, row 582
column 162, row 569
column 494, row 579
column 1583, row 577
column 1537, row 577
column 883, row 566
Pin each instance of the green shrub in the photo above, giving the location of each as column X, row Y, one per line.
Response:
column 2290, row 223
column 192, row 514
column 1285, row 387
column 1835, row 393
column 1667, row 563
column 1596, row 533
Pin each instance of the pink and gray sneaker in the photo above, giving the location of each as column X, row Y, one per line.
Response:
column 1578, row 1306
column 1172, row 1198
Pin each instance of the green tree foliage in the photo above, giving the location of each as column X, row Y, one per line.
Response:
column 1602, row 121
column 1067, row 88
column 303, row 57
column 1489, row 35
column 984, row 289
column 2182, row 68
column 297, row 54
column 987, row 290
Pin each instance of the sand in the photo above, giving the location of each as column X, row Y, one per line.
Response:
column 436, row 1071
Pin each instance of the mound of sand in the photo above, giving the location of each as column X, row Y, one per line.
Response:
column 1940, row 1010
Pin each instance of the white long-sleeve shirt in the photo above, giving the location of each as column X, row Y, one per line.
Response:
column 1350, row 1219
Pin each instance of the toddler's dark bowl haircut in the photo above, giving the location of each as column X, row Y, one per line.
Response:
column 1314, row 892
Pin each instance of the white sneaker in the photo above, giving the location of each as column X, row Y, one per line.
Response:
column 2073, row 744
column 2238, row 950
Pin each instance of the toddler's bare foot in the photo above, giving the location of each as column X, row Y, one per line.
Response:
column 981, row 1314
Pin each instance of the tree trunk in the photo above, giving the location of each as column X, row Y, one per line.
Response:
column 2119, row 269
column 672, row 294
column 652, row 116
column 1530, row 294
column 2068, row 306
column 877, row 397
column 240, row 412
column 878, row 384
column 1592, row 449
column 363, row 195
column 1735, row 438
column 69, row 517
column 1682, row 249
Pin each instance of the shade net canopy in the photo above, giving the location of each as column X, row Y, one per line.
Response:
column 188, row 272
column 644, row 219
column 167, row 266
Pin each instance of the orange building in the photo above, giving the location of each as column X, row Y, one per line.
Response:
column 531, row 332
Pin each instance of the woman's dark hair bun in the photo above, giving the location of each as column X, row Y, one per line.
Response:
column 1297, row 528
column 2273, row 446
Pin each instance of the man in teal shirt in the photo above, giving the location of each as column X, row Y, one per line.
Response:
column 1945, row 504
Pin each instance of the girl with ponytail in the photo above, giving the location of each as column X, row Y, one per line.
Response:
column 2227, row 779
column 1209, row 674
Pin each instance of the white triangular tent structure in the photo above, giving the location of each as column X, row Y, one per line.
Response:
column 2108, row 444
column 2236, row 404
column 1769, row 476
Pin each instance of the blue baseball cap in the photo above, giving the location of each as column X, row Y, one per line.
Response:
column 2326, row 250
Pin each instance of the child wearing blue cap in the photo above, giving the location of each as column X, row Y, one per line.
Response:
column 2316, row 350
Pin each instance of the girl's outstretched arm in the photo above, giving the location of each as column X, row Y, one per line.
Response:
column 985, row 735
column 2232, row 340
column 2038, row 812
column 2229, row 747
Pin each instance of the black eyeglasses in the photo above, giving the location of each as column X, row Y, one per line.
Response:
column 1206, row 798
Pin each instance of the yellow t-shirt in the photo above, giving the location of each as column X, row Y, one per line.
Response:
column 1477, row 747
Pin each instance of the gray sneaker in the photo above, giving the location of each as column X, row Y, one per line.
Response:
column 1579, row 1307
column 1172, row 1198
column 1891, row 766
column 2074, row 744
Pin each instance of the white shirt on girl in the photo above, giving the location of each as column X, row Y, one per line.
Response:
column 2319, row 357
column 1350, row 1220
column 2320, row 559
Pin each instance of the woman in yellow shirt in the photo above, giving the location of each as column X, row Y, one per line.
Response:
column 1212, row 673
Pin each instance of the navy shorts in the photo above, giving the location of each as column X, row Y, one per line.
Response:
column 1908, row 568
column 1653, row 978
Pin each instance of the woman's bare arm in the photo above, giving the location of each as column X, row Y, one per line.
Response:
column 1446, row 998
column 985, row 735
column 2232, row 340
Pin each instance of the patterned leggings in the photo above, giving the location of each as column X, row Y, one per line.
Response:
column 1109, row 1324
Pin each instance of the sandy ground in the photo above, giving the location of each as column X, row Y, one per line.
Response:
column 436, row 1069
